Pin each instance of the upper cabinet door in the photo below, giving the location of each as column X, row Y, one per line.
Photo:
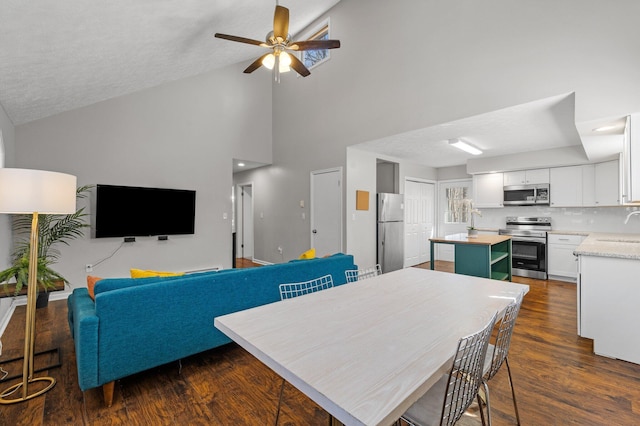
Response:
column 526, row 177
column 607, row 183
column 488, row 190
column 565, row 186
column 537, row 176
column 515, row 178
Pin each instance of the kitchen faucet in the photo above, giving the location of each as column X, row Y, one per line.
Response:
column 631, row 214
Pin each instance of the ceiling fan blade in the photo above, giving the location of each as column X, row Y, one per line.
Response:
column 299, row 66
column 255, row 64
column 314, row 45
column 281, row 23
column 241, row 39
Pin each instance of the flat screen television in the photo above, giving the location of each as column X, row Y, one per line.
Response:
column 130, row 211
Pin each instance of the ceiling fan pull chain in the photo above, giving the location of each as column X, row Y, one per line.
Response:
column 276, row 70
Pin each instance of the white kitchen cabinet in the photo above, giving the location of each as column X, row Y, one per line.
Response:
column 514, row 178
column 526, row 177
column 631, row 161
column 565, row 186
column 608, row 294
column 562, row 265
column 601, row 184
column 607, row 183
column 488, row 190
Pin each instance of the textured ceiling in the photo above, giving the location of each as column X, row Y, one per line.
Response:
column 544, row 124
column 60, row 55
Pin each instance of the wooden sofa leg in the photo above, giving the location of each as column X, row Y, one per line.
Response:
column 107, row 392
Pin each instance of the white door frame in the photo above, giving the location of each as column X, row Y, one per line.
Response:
column 240, row 219
column 311, row 209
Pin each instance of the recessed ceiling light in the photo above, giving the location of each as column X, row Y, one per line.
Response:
column 240, row 164
column 465, row 146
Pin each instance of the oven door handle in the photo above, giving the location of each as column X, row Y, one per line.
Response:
column 529, row 240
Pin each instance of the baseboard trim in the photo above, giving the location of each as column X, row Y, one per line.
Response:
column 261, row 262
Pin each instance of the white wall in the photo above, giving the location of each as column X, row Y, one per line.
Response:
column 417, row 63
column 7, row 138
column 402, row 66
column 361, row 225
column 180, row 135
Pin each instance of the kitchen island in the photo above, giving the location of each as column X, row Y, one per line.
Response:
column 487, row 256
column 608, row 294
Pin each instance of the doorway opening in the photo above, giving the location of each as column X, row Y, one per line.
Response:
column 244, row 226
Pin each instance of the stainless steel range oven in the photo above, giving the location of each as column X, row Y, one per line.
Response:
column 529, row 245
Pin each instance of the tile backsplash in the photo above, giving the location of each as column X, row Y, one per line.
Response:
column 590, row 219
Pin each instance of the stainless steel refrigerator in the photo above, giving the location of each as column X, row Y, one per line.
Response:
column 390, row 231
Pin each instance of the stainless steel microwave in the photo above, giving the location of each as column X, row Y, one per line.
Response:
column 526, row 195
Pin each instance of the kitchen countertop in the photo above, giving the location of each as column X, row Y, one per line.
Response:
column 625, row 246
column 584, row 233
column 463, row 238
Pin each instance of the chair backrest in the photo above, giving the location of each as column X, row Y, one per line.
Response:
column 362, row 274
column 503, row 338
column 465, row 376
column 291, row 290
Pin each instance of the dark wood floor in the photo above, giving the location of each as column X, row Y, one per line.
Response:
column 558, row 379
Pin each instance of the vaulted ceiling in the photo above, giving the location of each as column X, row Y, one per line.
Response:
column 56, row 56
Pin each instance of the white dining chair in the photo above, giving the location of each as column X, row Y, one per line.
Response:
column 450, row 397
column 362, row 274
column 497, row 353
column 291, row 290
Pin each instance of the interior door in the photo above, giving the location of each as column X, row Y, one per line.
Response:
column 326, row 211
column 419, row 221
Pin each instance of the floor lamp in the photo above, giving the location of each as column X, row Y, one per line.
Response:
column 24, row 191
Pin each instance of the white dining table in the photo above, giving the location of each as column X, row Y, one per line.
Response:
column 366, row 351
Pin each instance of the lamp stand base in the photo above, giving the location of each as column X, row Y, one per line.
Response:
column 9, row 391
column 52, row 352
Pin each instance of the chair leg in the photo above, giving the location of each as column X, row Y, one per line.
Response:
column 513, row 392
column 279, row 402
column 486, row 397
column 481, row 411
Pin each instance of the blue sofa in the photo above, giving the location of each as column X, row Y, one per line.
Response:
column 137, row 324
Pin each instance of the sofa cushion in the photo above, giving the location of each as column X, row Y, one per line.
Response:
column 146, row 273
column 91, row 283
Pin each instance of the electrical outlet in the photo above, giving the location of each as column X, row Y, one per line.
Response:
column 279, row 249
column 88, row 267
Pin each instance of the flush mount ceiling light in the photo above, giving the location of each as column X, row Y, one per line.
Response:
column 465, row 146
column 604, row 128
column 240, row 164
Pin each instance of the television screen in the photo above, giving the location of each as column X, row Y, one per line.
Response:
column 129, row 211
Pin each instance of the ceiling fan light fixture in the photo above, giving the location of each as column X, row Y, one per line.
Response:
column 465, row 146
column 285, row 62
column 269, row 61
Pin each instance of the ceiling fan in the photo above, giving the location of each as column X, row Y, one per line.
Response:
column 279, row 42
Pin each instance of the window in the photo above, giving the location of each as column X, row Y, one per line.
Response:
column 313, row 58
column 457, row 210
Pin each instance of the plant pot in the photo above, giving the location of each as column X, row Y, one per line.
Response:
column 42, row 301
column 472, row 233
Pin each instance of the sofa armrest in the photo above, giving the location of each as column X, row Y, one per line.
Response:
column 84, row 329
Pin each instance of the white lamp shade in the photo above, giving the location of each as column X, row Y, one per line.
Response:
column 30, row 191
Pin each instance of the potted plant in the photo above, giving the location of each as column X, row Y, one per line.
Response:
column 471, row 229
column 53, row 229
